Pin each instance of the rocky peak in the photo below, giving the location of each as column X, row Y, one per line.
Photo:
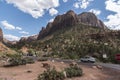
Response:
column 89, row 18
column 1, row 35
column 71, row 12
column 61, row 21
column 45, row 31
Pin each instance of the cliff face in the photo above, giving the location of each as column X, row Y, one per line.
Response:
column 65, row 20
column 1, row 35
column 60, row 22
column 90, row 19
column 70, row 19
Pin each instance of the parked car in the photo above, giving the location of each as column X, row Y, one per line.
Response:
column 88, row 59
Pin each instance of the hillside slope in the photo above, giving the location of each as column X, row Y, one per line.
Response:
column 78, row 41
column 4, row 49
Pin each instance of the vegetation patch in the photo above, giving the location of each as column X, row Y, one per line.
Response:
column 51, row 74
column 73, row 71
column 14, row 60
column 29, row 60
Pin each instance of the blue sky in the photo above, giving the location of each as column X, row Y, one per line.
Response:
column 20, row 18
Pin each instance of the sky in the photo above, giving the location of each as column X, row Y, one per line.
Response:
column 20, row 18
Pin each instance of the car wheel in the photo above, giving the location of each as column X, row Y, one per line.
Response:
column 82, row 61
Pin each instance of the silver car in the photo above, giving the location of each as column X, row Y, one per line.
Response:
column 88, row 59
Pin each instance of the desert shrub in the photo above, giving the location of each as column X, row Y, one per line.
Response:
column 73, row 71
column 14, row 60
column 42, row 59
column 22, row 62
column 29, row 60
column 51, row 74
column 11, row 63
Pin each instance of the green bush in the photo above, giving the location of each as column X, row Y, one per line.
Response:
column 51, row 74
column 18, row 61
column 29, row 60
column 14, row 60
column 73, row 71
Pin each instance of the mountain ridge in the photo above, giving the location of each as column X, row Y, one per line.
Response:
column 68, row 19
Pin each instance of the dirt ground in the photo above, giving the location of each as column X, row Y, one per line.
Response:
column 90, row 73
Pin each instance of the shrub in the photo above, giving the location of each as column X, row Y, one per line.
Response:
column 29, row 60
column 73, row 71
column 51, row 74
column 14, row 60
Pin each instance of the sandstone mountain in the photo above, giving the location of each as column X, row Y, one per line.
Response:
column 28, row 39
column 90, row 19
column 70, row 19
column 9, row 43
column 3, row 47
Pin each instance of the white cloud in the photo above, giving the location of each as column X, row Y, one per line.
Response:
column 82, row 3
column 7, row 25
column 26, row 36
column 113, row 20
column 24, row 32
column 95, row 11
column 76, row 5
column 53, row 11
column 51, row 20
column 11, row 37
column 18, row 28
column 113, row 5
column 65, row 0
column 36, row 8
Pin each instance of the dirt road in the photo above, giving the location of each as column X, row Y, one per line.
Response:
column 90, row 72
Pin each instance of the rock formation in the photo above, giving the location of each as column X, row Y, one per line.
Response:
column 1, row 35
column 70, row 19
